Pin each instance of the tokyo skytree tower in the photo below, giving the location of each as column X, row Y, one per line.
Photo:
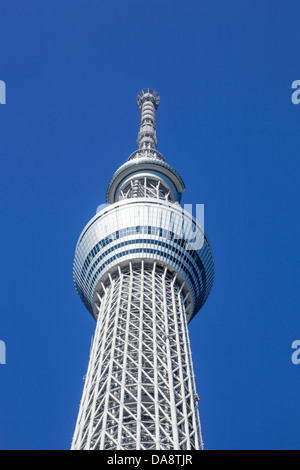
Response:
column 143, row 268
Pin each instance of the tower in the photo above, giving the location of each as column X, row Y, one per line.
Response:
column 143, row 267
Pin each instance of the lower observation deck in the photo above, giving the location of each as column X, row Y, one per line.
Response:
column 144, row 229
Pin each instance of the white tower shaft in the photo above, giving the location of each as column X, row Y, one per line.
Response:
column 139, row 390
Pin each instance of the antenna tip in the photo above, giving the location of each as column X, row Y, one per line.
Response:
column 148, row 94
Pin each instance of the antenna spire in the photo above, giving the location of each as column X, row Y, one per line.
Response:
column 148, row 101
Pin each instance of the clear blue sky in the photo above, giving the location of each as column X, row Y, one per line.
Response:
column 226, row 123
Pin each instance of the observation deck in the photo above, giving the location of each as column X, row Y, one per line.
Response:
column 144, row 221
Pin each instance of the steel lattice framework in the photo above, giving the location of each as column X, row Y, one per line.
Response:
column 143, row 278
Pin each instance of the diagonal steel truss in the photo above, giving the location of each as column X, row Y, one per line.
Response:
column 139, row 391
column 145, row 187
